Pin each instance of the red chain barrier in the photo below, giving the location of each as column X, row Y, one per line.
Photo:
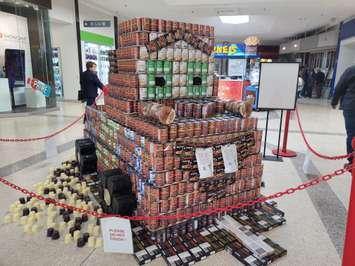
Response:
column 50, row 135
column 340, row 157
column 44, row 137
column 210, row 211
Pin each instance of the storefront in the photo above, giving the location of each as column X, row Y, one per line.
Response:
column 238, row 65
column 83, row 33
column 25, row 55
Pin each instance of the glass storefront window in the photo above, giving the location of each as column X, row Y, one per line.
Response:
column 25, row 53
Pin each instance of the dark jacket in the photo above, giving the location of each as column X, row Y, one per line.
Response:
column 345, row 90
column 320, row 77
column 89, row 83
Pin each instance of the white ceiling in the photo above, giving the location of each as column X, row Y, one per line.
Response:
column 271, row 20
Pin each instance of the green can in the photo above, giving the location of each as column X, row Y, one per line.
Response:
column 151, row 93
column 196, row 91
column 168, row 92
column 204, row 80
column 167, row 67
column 203, row 91
column 159, row 92
column 151, row 66
column 190, row 80
column 190, row 91
column 151, row 80
column 168, row 80
column 204, row 68
column 190, row 67
column 198, row 67
column 159, row 66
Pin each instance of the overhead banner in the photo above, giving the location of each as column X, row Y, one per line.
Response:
column 234, row 50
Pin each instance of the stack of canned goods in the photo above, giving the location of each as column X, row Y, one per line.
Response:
column 165, row 110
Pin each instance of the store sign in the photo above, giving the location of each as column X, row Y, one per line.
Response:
column 97, row 23
column 233, row 50
column 117, row 235
column 11, row 37
column 38, row 85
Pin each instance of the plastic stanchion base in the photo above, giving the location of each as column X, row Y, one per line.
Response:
column 272, row 158
column 286, row 153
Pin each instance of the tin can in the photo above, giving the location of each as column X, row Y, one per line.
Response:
column 153, row 193
column 175, row 25
column 189, row 199
column 164, row 206
column 154, row 208
column 182, row 188
column 159, row 179
column 189, row 129
column 178, row 175
column 152, row 224
column 200, row 197
column 180, row 109
column 204, row 128
column 170, row 177
column 162, row 25
column 176, row 162
column 181, row 202
column 165, row 193
column 173, row 132
column 180, row 212
column 211, row 127
column 195, row 29
column 168, row 162
column 154, row 25
column 182, row 26
column 189, row 27
column 173, row 190
column 173, row 203
column 185, row 175
column 188, row 110
column 197, row 129
column 169, row 26
column 190, row 187
column 181, row 130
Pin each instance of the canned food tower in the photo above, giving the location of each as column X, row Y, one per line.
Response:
column 162, row 124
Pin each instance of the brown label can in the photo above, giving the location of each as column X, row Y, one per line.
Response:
column 182, row 188
column 164, row 206
column 173, row 132
column 190, row 187
column 178, row 175
column 173, row 203
column 181, row 201
column 173, row 190
column 170, row 177
column 165, row 193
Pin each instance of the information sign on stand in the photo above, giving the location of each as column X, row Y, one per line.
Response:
column 117, row 235
column 278, row 85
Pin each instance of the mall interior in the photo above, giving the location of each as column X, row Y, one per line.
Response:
column 217, row 133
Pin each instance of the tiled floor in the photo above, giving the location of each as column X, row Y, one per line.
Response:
column 316, row 218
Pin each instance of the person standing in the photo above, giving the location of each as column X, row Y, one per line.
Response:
column 89, row 83
column 345, row 93
column 319, row 82
column 307, row 90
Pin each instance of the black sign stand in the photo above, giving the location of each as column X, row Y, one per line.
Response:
column 271, row 157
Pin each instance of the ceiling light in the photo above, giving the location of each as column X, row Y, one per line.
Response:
column 284, row 48
column 234, row 19
column 295, row 45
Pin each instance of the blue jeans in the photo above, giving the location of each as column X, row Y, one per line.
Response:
column 349, row 117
